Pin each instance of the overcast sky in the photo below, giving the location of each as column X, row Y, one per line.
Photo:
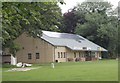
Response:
column 72, row 3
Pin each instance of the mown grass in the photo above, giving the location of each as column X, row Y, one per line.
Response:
column 105, row 70
column 0, row 72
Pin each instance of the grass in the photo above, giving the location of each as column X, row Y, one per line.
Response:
column 8, row 66
column 104, row 70
column 0, row 73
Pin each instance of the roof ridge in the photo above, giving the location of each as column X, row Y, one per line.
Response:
column 59, row 32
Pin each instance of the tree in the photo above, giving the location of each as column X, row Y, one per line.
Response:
column 108, row 34
column 100, row 28
column 77, row 14
column 30, row 17
column 94, row 21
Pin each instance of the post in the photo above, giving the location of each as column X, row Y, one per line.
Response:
column 100, row 53
column 53, row 66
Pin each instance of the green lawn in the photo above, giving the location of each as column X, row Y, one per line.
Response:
column 0, row 73
column 104, row 70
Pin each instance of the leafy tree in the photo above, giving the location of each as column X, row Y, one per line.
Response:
column 94, row 21
column 77, row 14
column 69, row 22
column 30, row 17
column 100, row 28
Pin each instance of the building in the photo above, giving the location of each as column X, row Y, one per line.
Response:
column 56, row 47
column 7, row 57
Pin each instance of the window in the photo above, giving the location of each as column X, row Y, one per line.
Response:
column 64, row 54
column 61, row 55
column 58, row 54
column 74, row 55
column 37, row 56
column 29, row 56
column 84, row 47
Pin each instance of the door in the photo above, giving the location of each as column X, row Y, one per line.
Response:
column 88, row 56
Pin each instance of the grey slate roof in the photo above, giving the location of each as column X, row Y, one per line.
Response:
column 72, row 41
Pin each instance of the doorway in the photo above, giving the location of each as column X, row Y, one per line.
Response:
column 88, row 56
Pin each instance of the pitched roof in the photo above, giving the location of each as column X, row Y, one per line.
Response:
column 72, row 41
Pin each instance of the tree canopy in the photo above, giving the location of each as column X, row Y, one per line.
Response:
column 30, row 17
column 94, row 21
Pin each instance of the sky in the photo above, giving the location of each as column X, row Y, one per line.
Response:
column 72, row 3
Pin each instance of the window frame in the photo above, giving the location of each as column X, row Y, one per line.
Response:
column 64, row 54
column 74, row 54
column 29, row 56
column 37, row 55
column 58, row 54
column 61, row 54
